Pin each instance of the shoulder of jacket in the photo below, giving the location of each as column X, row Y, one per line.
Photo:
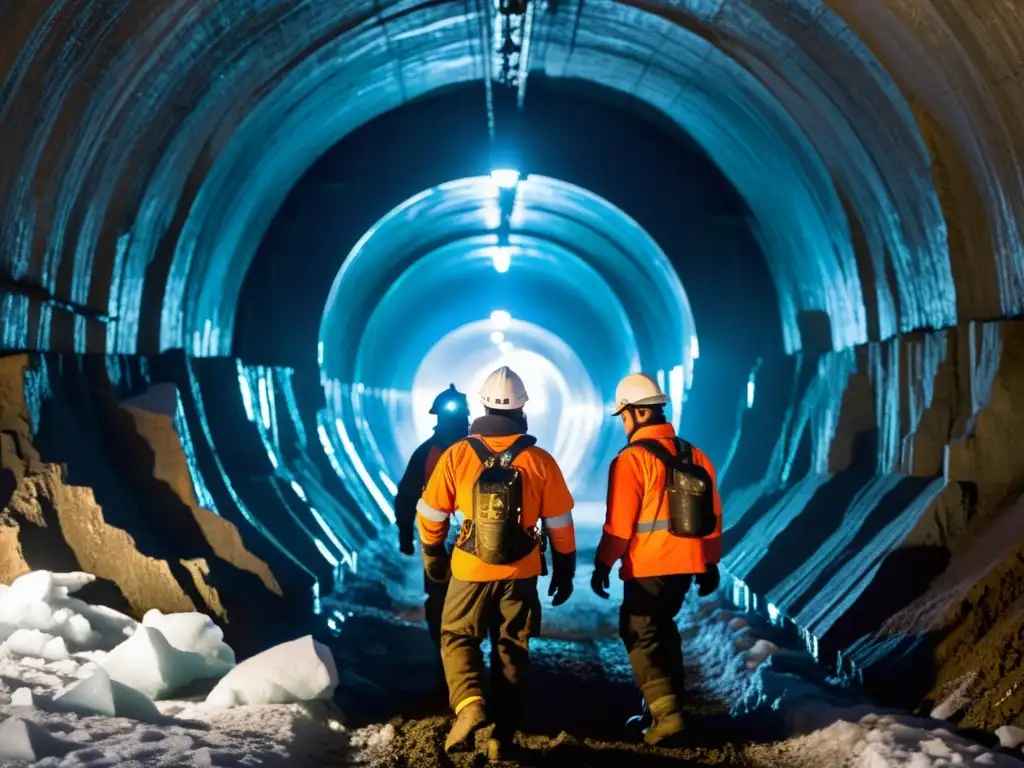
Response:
column 634, row 453
column 539, row 454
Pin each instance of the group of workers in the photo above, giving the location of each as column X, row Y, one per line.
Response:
column 663, row 524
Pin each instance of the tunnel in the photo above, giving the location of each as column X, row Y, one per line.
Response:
column 244, row 244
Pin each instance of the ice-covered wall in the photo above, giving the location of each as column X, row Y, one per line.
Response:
column 152, row 474
column 888, row 525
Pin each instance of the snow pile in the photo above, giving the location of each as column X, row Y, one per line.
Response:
column 83, row 685
column 39, row 618
column 302, row 670
column 193, row 632
column 830, row 727
column 149, row 663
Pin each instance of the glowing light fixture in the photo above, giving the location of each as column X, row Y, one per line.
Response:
column 501, row 319
column 502, row 259
column 750, row 392
column 497, row 337
column 694, row 347
column 505, row 178
column 450, row 406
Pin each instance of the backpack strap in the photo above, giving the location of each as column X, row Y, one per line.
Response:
column 485, row 454
column 653, row 447
column 480, row 448
column 520, row 445
column 684, row 451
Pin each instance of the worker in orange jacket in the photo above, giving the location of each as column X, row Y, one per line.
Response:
column 452, row 411
column 664, row 523
column 505, row 487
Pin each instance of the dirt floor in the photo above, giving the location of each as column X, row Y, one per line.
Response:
column 581, row 692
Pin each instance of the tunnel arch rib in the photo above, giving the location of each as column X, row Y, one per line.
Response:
column 153, row 145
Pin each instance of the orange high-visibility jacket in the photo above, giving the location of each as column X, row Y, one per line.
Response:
column 636, row 499
column 545, row 498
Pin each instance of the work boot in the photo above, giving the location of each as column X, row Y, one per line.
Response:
column 471, row 719
column 668, row 720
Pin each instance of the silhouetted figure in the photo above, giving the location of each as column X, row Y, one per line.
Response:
column 452, row 411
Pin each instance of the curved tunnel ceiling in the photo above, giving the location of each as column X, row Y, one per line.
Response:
column 428, row 297
column 162, row 138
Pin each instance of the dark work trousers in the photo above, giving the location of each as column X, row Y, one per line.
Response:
column 433, row 606
column 509, row 611
column 648, row 628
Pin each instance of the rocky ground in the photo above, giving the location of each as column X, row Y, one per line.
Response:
column 582, row 694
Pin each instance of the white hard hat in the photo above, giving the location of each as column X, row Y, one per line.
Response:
column 637, row 389
column 504, row 390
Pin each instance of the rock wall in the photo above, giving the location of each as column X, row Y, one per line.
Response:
column 107, row 465
column 885, row 517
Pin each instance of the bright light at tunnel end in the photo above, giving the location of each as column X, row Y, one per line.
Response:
column 501, row 319
column 502, row 260
column 505, row 178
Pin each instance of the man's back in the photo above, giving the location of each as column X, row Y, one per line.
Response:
column 637, row 501
column 544, row 495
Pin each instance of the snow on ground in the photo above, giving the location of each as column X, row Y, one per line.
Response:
column 82, row 685
column 786, row 690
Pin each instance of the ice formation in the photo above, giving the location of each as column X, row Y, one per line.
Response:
column 826, row 727
column 149, row 663
column 78, row 683
column 302, row 670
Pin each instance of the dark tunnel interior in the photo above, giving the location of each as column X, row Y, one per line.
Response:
column 244, row 244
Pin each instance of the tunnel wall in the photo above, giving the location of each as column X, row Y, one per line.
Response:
column 889, row 525
column 107, row 465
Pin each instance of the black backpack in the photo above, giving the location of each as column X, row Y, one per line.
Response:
column 689, row 491
column 495, row 533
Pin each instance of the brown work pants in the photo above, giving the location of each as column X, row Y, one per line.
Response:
column 508, row 611
column 433, row 606
column 647, row 625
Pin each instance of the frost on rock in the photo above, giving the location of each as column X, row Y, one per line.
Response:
column 827, row 727
column 149, row 663
column 300, row 670
column 25, row 741
column 99, row 695
column 40, row 602
column 193, row 632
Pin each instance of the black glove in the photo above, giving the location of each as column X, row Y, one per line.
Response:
column 563, row 569
column 601, row 579
column 405, row 543
column 708, row 581
column 437, row 563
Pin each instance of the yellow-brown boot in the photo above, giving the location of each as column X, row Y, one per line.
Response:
column 470, row 719
column 668, row 720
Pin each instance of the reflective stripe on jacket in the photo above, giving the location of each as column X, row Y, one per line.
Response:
column 636, row 523
column 545, row 498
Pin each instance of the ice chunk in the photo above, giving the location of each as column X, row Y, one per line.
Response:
column 148, row 663
column 194, row 632
column 24, row 740
column 1010, row 736
column 32, row 642
column 99, row 695
column 301, row 670
column 40, row 601
column 22, row 698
